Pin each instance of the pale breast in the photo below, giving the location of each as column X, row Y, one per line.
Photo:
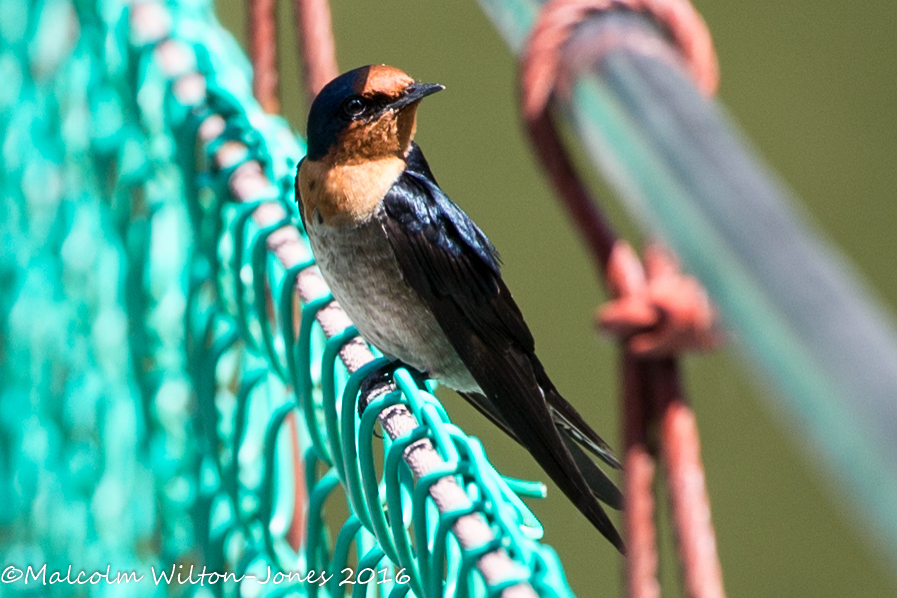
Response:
column 359, row 265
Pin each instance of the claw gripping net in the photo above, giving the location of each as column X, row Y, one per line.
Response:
column 178, row 388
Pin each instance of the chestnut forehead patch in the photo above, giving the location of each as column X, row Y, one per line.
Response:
column 385, row 80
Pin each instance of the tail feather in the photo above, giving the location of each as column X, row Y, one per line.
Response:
column 569, row 419
column 516, row 402
column 599, row 483
column 580, row 431
column 563, row 468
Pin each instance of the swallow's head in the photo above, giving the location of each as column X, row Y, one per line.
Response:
column 366, row 114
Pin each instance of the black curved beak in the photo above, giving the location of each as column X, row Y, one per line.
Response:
column 416, row 92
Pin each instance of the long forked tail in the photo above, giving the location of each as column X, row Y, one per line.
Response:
column 517, row 403
column 575, row 439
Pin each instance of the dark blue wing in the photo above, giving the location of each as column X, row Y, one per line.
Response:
column 445, row 254
column 454, row 269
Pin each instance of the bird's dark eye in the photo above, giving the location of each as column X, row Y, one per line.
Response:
column 354, row 107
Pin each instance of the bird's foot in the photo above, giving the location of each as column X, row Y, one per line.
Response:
column 420, row 378
column 381, row 380
column 376, row 383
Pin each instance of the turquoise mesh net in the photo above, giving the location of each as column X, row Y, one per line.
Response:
column 166, row 404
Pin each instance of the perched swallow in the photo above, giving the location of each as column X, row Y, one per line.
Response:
column 421, row 281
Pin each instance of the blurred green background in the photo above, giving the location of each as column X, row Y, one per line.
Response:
column 813, row 84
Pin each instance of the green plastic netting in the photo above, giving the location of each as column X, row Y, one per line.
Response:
column 165, row 400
